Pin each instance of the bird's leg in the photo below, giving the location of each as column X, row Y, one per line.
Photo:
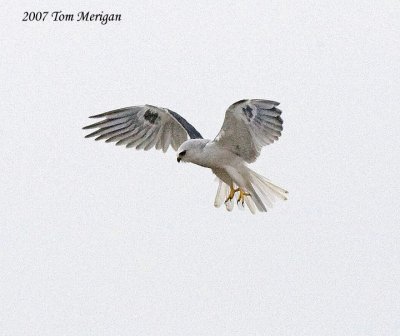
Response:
column 242, row 194
column 231, row 194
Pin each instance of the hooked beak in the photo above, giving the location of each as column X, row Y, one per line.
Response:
column 178, row 159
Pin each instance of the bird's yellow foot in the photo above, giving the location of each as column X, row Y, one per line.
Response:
column 232, row 194
column 242, row 194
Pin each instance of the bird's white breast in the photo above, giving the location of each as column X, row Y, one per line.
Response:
column 214, row 156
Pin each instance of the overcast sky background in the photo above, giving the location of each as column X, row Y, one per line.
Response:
column 101, row 240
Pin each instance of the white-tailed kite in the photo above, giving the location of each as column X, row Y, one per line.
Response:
column 248, row 126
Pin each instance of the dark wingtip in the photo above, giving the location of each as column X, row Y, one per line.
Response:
column 95, row 133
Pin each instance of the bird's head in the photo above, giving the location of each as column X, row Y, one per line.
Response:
column 181, row 156
column 190, row 150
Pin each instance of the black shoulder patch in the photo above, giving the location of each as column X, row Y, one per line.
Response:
column 151, row 117
column 248, row 112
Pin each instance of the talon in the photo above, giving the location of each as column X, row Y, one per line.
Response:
column 242, row 194
column 232, row 194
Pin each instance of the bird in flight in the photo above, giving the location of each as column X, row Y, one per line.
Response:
column 248, row 126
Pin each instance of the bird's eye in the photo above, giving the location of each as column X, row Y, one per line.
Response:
column 182, row 153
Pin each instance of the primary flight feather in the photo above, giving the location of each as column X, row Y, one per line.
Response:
column 248, row 126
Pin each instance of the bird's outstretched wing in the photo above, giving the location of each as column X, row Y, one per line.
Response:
column 143, row 127
column 248, row 126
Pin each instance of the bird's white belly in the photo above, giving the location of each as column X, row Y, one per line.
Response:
column 215, row 156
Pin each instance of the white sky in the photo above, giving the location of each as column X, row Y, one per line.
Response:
column 101, row 240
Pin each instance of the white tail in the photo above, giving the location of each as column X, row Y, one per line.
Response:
column 263, row 193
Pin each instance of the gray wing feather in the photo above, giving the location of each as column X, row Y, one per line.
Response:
column 166, row 139
column 193, row 133
column 248, row 126
column 143, row 127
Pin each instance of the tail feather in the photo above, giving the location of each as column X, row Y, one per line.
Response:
column 259, row 188
column 222, row 193
column 263, row 192
column 250, row 204
column 256, row 198
column 277, row 191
